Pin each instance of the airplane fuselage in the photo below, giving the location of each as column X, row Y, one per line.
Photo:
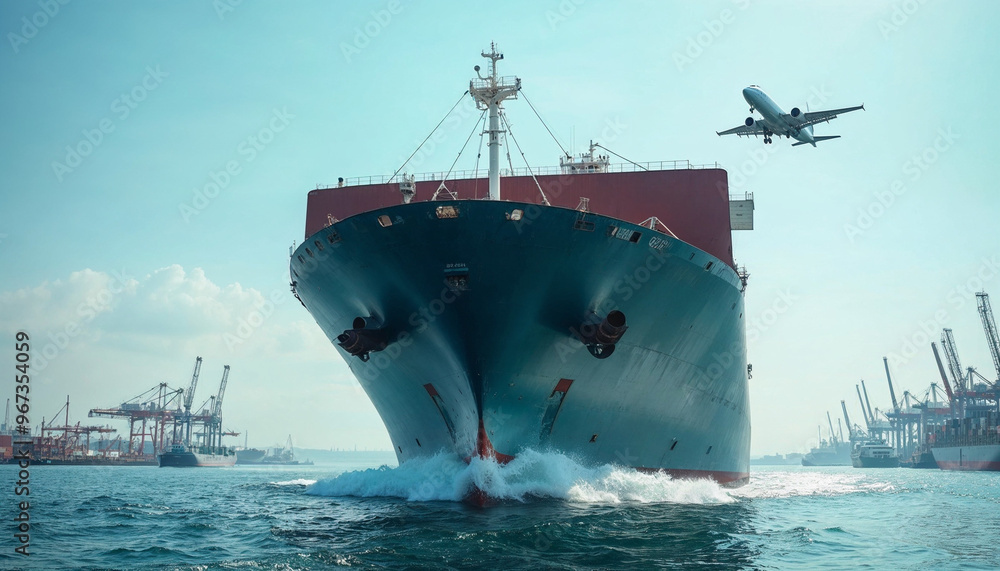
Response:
column 772, row 116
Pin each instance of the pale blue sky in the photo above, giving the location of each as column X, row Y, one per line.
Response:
column 350, row 103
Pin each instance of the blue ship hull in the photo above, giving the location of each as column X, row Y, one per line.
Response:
column 482, row 315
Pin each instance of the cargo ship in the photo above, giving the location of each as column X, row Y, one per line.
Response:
column 180, row 456
column 971, row 444
column 594, row 310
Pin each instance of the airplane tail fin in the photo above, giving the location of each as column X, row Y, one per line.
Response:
column 818, row 139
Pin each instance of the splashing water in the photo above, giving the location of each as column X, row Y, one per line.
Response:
column 531, row 474
column 785, row 484
column 297, row 482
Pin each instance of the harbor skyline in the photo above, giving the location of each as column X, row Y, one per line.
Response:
column 151, row 200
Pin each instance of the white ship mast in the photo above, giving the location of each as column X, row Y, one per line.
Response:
column 489, row 92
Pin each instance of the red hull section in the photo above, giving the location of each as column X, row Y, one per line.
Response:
column 693, row 203
column 971, row 466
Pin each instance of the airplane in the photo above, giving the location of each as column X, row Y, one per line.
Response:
column 796, row 125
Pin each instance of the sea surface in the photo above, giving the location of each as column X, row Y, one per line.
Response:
column 363, row 512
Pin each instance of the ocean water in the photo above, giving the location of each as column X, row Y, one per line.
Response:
column 555, row 513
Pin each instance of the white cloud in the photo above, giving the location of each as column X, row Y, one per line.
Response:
column 104, row 337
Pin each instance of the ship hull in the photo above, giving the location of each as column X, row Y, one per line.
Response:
column 972, row 458
column 195, row 459
column 890, row 462
column 483, row 314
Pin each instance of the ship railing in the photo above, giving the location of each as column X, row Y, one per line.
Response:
column 523, row 171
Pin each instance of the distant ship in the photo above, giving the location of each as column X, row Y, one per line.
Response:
column 594, row 310
column 874, row 454
column 249, row 455
column 829, row 453
column 182, row 456
column 275, row 457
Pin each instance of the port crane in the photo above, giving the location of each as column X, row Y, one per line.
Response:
column 833, row 435
column 864, row 389
column 215, row 408
column 990, row 328
column 944, row 376
column 148, row 414
column 68, row 444
column 951, row 355
column 868, row 423
column 852, row 433
column 189, row 399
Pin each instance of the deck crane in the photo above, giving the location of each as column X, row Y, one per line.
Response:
column 892, row 392
column 951, row 355
column 188, row 399
column 833, row 435
column 944, row 376
column 990, row 327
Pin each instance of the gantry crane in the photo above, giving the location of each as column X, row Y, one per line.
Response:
column 951, row 355
column 944, row 376
column 189, row 399
column 990, row 327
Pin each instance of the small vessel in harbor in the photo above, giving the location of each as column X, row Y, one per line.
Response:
column 874, row 454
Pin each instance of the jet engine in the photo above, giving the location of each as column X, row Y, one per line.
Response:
column 796, row 112
column 749, row 122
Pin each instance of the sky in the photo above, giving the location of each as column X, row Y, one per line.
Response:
column 156, row 157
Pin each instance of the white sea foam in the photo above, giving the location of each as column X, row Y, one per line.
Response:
column 530, row 474
column 298, row 482
column 787, row 484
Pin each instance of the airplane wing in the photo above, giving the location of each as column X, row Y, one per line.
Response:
column 744, row 131
column 807, row 119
